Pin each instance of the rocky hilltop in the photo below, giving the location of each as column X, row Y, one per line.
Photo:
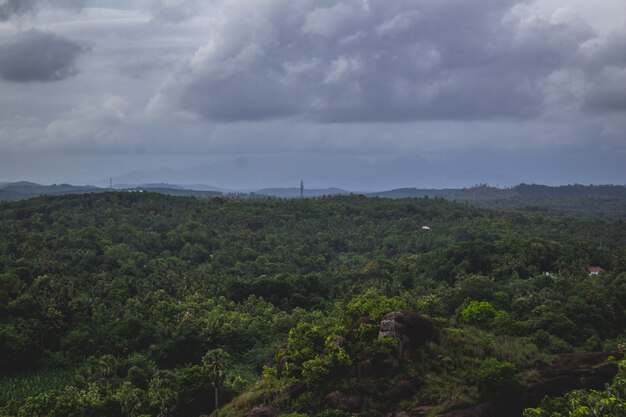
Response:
column 408, row 365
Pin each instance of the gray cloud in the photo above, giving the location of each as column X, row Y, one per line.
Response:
column 11, row 8
column 173, row 10
column 39, row 56
column 360, row 61
column 606, row 69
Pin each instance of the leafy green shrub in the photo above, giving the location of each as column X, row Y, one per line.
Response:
column 478, row 313
column 594, row 343
column 304, row 343
column 497, row 380
column 550, row 343
column 334, row 359
column 430, row 305
column 373, row 304
column 386, row 344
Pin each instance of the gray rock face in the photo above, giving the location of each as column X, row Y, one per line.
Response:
column 392, row 325
column 401, row 389
column 410, row 330
column 342, row 401
column 263, row 411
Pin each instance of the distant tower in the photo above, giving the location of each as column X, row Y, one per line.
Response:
column 301, row 188
column 110, row 183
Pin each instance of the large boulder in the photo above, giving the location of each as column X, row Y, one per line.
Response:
column 420, row 411
column 401, row 389
column 374, row 364
column 343, row 401
column 580, row 370
column 409, row 329
column 569, row 372
column 480, row 410
column 263, row 411
column 294, row 389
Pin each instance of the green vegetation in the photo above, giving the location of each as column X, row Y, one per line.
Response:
column 610, row 402
column 128, row 304
column 27, row 384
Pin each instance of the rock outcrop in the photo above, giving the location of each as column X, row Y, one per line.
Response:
column 401, row 389
column 293, row 389
column 409, row 329
column 581, row 370
column 374, row 364
column 343, row 401
column 263, row 411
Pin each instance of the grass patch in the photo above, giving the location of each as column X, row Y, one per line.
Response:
column 247, row 400
column 19, row 386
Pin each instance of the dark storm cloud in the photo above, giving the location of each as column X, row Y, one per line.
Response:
column 38, row 56
column 360, row 61
column 606, row 68
column 11, row 8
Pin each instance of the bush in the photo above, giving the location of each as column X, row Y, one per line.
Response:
column 373, row 304
column 478, row 313
column 497, row 380
column 550, row 343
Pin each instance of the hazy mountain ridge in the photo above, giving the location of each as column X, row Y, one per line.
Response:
column 294, row 192
column 415, row 193
column 521, row 195
column 485, row 192
column 23, row 189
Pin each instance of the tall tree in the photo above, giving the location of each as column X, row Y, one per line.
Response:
column 216, row 362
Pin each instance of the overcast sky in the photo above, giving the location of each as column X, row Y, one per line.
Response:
column 359, row 94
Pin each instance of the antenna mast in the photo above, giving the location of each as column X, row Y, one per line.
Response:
column 301, row 188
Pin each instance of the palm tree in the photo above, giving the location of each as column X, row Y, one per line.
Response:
column 216, row 361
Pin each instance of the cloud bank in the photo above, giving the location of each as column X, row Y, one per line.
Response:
column 443, row 86
column 39, row 56
column 357, row 61
column 14, row 8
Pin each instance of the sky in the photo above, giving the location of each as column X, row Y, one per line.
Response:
column 358, row 94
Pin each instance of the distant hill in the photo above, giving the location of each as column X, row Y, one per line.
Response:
column 415, row 193
column 24, row 189
column 294, row 192
column 572, row 191
column 10, row 195
column 485, row 192
column 569, row 198
column 151, row 185
column 603, row 200
column 176, row 192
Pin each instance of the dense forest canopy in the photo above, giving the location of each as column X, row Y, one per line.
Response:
column 114, row 303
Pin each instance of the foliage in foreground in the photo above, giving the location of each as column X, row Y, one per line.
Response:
column 611, row 402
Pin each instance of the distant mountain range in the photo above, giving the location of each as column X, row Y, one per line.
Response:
column 294, row 192
column 21, row 190
column 480, row 193
column 522, row 191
